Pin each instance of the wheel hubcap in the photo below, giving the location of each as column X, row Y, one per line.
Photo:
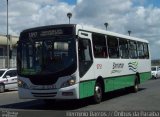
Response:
column 98, row 93
column 136, row 87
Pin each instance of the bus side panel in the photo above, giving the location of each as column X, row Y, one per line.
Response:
column 86, row 88
column 124, row 81
column 109, row 84
column 118, row 82
column 145, row 76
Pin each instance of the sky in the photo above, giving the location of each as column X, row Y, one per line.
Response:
column 142, row 17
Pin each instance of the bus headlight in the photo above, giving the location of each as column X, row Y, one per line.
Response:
column 22, row 84
column 69, row 82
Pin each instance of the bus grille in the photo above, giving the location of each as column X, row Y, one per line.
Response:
column 43, row 80
column 53, row 94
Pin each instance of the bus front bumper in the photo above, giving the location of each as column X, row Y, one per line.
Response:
column 71, row 92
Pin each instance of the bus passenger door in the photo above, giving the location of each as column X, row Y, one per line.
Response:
column 86, row 72
column 85, row 56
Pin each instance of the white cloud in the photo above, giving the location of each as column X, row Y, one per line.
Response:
column 79, row 1
column 28, row 13
column 122, row 15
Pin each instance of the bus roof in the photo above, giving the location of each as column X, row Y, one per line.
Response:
column 100, row 31
column 87, row 29
column 48, row 26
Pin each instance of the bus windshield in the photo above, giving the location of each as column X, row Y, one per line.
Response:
column 46, row 56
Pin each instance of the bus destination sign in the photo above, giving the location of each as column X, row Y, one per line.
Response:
column 46, row 33
column 51, row 32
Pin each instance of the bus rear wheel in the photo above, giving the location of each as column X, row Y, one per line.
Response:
column 136, row 85
column 97, row 98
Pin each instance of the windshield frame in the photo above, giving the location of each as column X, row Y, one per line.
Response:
column 43, row 72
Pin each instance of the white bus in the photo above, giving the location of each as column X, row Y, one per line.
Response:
column 72, row 61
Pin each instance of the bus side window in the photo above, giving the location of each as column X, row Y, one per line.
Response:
column 84, row 50
column 123, row 47
column 133, row 49
column 85, row 56
column 113, row 48
column 140, row 50
column 146, row 51
column 99, row 46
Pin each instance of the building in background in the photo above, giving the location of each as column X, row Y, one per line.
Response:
column 3, row 51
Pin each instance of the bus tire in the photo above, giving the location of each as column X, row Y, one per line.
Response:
column 97, row 98
column 136, row 85
column 2, row 88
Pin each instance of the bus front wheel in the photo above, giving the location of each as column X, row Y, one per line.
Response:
column 97, row 98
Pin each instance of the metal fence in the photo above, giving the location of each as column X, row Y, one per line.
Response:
column 3, row 62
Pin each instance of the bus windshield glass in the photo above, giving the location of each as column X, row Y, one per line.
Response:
column 47, row 56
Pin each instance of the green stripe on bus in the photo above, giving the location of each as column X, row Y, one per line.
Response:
column 86, row 88
column 145, row 76
column 111, row 83
column 119, row 82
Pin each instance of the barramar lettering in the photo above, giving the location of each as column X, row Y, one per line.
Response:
column 118, row 65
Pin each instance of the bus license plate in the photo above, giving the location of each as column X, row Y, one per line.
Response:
column 42, row 87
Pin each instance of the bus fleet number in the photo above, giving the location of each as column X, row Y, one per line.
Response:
column 99, row 66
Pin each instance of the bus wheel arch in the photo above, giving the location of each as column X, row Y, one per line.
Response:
column 98, row 90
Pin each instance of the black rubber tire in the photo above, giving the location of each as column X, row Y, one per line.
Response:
column 135, row 88
column 2, row 88
column 97, row 98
